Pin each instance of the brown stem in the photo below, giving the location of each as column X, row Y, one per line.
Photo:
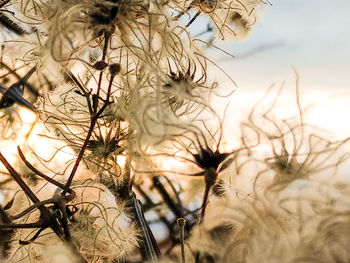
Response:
column 91, row 129
column 6, row 234
column 167, row 198
column 181, row 222
column 80, row 156
column 149, row 248
column 33, row 169
column 95, row 106
column 210, row 176
column 27, row 225
column 29, row 86
column 19, row 180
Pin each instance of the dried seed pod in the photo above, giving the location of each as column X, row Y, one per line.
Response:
column 100, row 65
column 219, row 188
column 114, row 69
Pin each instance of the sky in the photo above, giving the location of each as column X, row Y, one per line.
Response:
column 310, row 37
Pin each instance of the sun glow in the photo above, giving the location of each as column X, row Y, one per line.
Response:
column 173, row 165
column 121, row 160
